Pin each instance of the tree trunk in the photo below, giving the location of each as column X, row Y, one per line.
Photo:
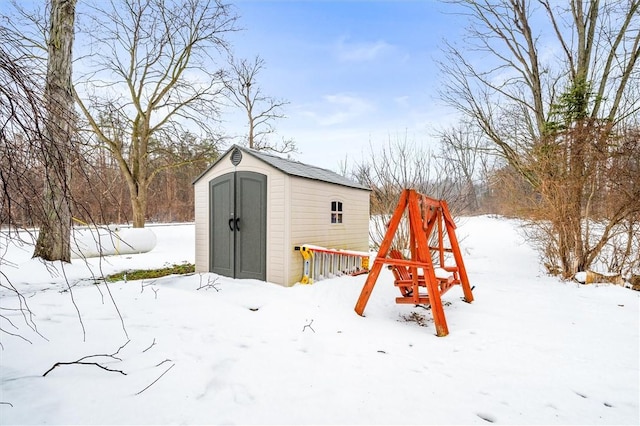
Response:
column 139, row 207
column 251, row 128
column 138, row 198
column 561, row 141
column 54, row 237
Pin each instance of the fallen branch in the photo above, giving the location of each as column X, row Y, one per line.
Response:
column 210, row 284
column 143, row 285
column 309, row 325
column 159, row 377
column 82, row 361
column 159, row 364
column 152, row 345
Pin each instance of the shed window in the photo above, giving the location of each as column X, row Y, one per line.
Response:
column 336, row 212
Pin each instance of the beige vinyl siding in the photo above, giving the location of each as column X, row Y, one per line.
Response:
column 275, row 207
column 311, row 219
column 276, row 227
column 201, row 216
column 298, row 212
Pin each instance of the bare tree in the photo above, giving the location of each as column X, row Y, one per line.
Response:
column 152, row 78
column 464, row 148
column 261, row 110
column 22, row 121
column 30, row 22
column 55, row 229
column 554, row 118
column 22, row 127
column 100, row 192
column 36, row 151
column 178, row 163
column 402, row 164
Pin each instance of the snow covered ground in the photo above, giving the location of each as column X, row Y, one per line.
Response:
column 529, row 350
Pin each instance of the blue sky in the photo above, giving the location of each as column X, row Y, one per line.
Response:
column 354, row 72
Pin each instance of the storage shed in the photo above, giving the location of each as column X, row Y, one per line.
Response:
column 252, row 209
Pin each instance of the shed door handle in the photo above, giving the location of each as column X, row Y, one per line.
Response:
column 231, row 224
column 237, row 224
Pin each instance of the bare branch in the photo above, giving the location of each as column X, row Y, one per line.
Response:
column 539, row 111
column 57, row 364
column 308, row 326
column 161, row 55
column 82, row 361
column 150, row 346
column 211, row 283
column 159, row 377
column 261, row 110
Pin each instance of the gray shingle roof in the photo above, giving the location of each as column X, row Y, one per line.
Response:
column 296, row 168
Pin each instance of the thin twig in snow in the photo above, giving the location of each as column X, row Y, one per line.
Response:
column 152, row 345
column 210, row 284
column 309, row 326
column 81, row 361
column 159, row 377
column 166, row 360
column 143, row 285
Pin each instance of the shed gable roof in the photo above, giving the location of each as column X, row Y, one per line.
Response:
column 293, row 168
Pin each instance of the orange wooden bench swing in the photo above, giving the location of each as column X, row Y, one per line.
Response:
column 426, row 215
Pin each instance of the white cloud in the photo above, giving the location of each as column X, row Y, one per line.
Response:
column 401, row 101
column 360, row 52
column 339, row 109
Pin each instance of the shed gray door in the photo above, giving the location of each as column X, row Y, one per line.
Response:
column 238, row 239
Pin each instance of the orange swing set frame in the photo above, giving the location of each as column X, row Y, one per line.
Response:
column 426, row 215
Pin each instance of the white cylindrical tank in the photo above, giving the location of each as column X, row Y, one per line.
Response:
column 114, row 240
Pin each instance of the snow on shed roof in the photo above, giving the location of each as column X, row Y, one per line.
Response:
column 293, row 168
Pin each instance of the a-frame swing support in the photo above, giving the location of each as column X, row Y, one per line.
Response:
column 425, row 216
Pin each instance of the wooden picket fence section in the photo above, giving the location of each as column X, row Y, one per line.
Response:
column 427, row 217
